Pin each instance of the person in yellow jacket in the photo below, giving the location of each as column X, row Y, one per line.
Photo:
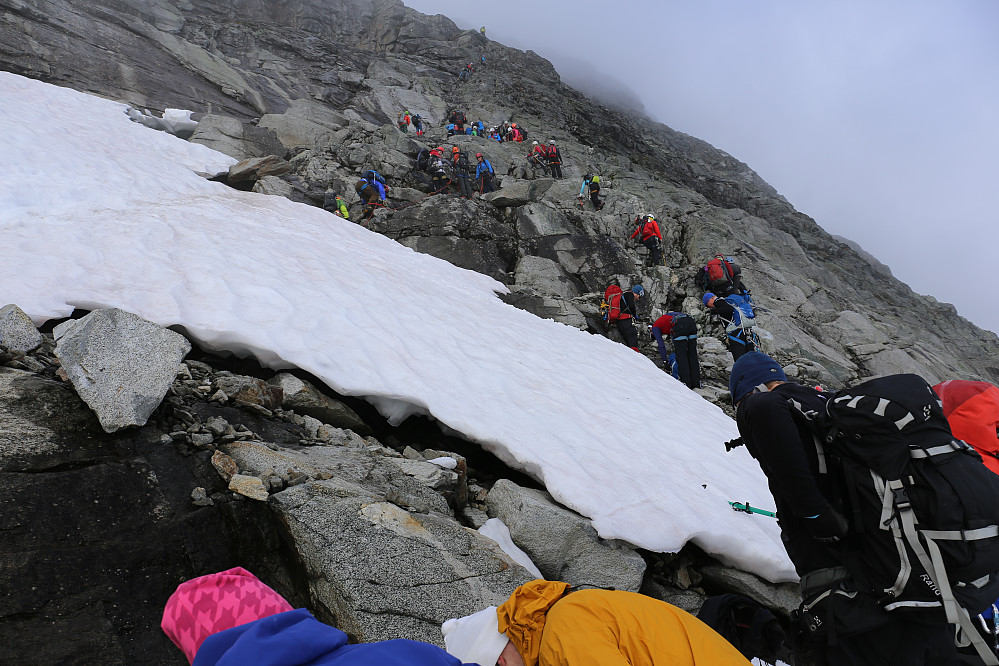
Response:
column 542, row 624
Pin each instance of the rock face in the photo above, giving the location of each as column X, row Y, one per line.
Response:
column 17, row 333
column 364, row 536
column 97, row 531
column 120, row 364
column 563, row 544
column 323, row 82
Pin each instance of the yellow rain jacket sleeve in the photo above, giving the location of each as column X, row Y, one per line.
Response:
column 608, row 628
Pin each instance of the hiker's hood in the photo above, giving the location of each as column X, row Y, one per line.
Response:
column 972, row 410
column 522, row 616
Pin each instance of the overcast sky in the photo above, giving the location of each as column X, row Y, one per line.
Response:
column 877, row 119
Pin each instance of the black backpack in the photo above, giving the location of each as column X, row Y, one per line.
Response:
column 423, row 159
column 464, row 166
column 751, row 629
column 922, row 507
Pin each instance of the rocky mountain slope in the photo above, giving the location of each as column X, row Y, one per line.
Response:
column 329, row 78
column 319, row 85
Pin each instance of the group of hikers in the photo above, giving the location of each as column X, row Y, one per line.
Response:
column 546, row 158
column 725, row 297
column 446, row 168
column 404, row 120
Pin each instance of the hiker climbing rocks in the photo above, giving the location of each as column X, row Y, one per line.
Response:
column 403, row 120
column 372, row 192
column 334, row 204
column 418, row 124
column 621, row 309
column 739, row 317
column 538, row 159
column 462, row 170
column 649, row 235
column 554, row 159
column 458, row 119
column 438, row 176
column 722, row 276
column 484, row 174
column 231, row 617
column 682, row 331
column 591, row 186
column 827, row 516
column 544, row 623
column 482, row 31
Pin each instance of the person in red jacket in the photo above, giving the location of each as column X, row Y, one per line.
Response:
column 972, row 410
column 649, row 235
column 682, row 330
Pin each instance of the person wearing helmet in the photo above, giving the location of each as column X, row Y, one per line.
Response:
column 484, row 174
column 462, row 173
column 538, row 159
column 418, row 124
column 554, row 159
column 651, row 237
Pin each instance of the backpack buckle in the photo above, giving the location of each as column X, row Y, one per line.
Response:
column 901, row 499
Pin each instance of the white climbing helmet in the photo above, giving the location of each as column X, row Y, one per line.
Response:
column 535, row 143
column 551, row 141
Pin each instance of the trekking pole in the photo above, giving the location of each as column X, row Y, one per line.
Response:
column 746, row 508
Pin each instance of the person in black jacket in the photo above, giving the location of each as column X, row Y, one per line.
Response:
column 739, row 342
column 844, row 625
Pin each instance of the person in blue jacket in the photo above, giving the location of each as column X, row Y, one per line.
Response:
column 371, row 189
column 232, row 618
column 484, row 173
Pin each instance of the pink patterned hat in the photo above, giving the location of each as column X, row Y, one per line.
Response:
column 209, row 604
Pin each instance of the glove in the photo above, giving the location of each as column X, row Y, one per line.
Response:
column 828, row 526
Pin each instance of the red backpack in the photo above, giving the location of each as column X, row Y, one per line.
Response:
column 720, row 273
column 612, row 304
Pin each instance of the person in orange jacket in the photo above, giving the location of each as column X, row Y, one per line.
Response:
column 972, row 410
column 542, row 624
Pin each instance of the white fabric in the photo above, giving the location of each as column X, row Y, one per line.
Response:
column 475, row 638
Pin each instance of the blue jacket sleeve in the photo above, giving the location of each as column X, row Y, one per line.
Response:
column 296, row 638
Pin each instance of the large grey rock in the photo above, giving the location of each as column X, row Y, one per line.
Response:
column 304, row 123
column 562, row 543
column 17, row 332
column 383, row 557
column 255, row 168
column 783, row 598
column 304, row 398
column 518, row 193
column 120, row 364
column 544, row 275
column 381, row 572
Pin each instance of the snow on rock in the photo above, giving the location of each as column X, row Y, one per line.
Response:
column 99, row 212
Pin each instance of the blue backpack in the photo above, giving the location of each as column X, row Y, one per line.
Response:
column 744, row 316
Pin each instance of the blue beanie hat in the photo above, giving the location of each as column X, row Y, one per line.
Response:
column 751, row 370
column 638, row 290
column 707, row 297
